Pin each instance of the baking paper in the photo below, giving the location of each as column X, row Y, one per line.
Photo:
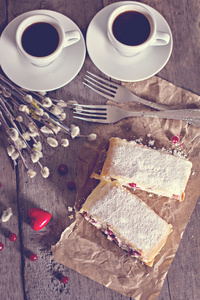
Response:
column 84, row 248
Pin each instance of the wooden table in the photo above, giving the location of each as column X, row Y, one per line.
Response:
column 19, row 277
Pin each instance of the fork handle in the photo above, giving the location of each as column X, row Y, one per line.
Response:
column 149, row 103
column 188, row 115
column 160, row 107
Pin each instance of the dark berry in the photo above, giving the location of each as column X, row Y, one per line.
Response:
column 33, row 257
column 64, row 279
column 71, row 185
column 62, row 169
column 1, row 246
column 12, row 237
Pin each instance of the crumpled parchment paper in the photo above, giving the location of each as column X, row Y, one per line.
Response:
column 84, row 248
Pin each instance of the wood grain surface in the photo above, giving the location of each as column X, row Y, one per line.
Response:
column 21, row 279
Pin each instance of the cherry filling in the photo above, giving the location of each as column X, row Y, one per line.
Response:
column 88, row 218
column 112, row 236
column 134, row 252
column 93, row 221
column 109, row 232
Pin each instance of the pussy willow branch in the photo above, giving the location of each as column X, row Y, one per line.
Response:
column 19, row 94
column 30, row 118
column 6, row 127
column 11, row 119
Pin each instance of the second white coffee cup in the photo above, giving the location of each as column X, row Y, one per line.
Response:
column 131, row 28
column 41, row 38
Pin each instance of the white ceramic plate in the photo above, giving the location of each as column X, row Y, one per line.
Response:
column 48, row 78
column 110, row 62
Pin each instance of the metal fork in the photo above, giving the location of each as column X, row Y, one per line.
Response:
column 112, row 114
column 116, row 92
column 119, row 93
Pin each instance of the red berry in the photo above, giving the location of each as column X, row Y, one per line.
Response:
column 71, row 185
column 175, row 139
column 1, row 246
column 62, row 169
column 12, row 237
column 33, row 257
column 132, row 185
column 64, row 279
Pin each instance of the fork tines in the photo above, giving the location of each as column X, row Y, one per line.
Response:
column 101, row 86
column 90, row 111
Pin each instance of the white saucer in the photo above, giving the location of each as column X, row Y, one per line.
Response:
column 48, row 78
column 110, row 62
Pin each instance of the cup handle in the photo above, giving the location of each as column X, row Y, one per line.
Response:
column 71, row 37
column 161, row 39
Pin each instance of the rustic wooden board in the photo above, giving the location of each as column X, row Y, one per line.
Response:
column 10, row 256
column 11, row 259
column 19, row 277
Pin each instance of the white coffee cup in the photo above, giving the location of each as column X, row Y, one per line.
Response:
column 29, row 32
column 154, row 37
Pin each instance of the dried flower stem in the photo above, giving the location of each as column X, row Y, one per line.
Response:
column 29, row 118
column 11, row 119
column 21, row 94
column 6, row 127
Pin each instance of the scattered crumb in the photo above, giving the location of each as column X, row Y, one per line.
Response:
column 163, row 149
column 179, row 153
column 71, row 217
column 70, row 208
column 6, row 215
column 139, row 141
column 151, row 143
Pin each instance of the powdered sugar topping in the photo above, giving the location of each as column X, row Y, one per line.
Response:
column 123, row 210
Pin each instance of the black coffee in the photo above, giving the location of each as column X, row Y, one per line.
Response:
column 131, row 28
column 40, row 39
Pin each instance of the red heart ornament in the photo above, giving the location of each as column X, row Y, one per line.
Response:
column 39, row 218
